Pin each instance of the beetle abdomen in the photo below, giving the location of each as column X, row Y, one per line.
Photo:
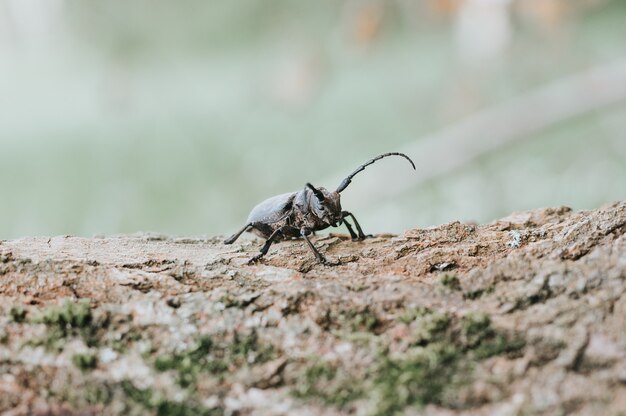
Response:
column 262, row 230
column 272, row 210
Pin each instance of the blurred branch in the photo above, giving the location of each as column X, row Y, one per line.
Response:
column 518, row 119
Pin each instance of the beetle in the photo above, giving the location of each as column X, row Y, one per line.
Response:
column 298, row 214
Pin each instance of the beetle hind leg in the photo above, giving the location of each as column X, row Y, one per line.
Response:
column 261, row 229
column 235, row 236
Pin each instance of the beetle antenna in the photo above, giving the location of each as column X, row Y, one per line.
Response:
column 318, row 194
column 344, row 184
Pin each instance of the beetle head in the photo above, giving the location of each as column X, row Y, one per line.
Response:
column 325, row 205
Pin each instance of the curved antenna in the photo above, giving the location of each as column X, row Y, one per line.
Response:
column 344, row 184
column 318, row 194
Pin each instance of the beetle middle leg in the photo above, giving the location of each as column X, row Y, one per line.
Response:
column 361, row 235
column 279, row 232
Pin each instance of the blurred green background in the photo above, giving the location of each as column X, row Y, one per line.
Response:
column 178, row 117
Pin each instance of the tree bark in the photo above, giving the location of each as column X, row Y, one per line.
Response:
column 522, row 315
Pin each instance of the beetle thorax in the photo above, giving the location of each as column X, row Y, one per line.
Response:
column 327, row 211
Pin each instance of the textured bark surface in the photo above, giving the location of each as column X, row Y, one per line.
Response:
column 526, row 315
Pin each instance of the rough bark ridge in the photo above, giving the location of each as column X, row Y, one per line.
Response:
column 525, row 315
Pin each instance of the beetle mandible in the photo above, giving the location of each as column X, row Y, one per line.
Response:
column 298, row 214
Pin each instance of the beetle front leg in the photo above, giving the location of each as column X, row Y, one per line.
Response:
column 361, row 235
column 350, row 230
column 304, row 232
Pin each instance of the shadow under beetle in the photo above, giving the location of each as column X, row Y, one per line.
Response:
column 298, row 214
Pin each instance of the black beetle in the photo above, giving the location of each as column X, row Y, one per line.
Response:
column 298, row 214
